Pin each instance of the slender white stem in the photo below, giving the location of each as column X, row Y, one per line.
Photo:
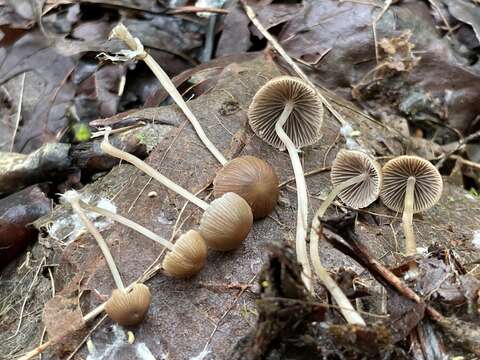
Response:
column 147, row 169
column 302, row 197
column 129, row 223
column 74, row 202
column 407, row 218
column 337, row 190
column 345, row 307
column 122, row 33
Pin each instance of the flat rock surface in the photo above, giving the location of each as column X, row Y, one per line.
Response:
column 209, row 311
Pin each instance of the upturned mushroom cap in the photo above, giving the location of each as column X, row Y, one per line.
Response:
column 188, row 257
column 351, row 163
column 226, row 222
column 428, row 183
column 303, row 125
column 129, row 308
column 253, row 179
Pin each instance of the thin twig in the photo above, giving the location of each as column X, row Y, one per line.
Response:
column 197, row 9
column 459, row 146
column 240, row 293
column 466, row 162
column 374, row 26
column 19, row 112
column 308, row 173
column 79, row 346
column 276, row 45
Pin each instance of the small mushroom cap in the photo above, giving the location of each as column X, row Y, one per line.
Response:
column 303, row 126
column 130, row 308
column 428, row 183
column 253, row 179
column 226, row 222
column 188, row 257
column 351, row 163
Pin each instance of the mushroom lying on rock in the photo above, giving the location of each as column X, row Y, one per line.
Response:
column 185, row 258
column 287, row 113
column 226, row 221
column 410, row 185
column 258, row 190
column 125, row 308
column 251, row 178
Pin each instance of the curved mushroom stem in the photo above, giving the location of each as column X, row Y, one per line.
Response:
column 129, row 223
column 345, row 307
column 147, row 169
column 407, row 218
column 337, row 190
column 302, row 197
column 122, row 33
column 75, row 203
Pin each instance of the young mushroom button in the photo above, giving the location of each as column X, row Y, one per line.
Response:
column 287, row 113
column 184, row 259
column 226, row 221
column 410, row 185
column 251, row 178
column 128, row 309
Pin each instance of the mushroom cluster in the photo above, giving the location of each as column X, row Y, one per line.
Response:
column 247, row 176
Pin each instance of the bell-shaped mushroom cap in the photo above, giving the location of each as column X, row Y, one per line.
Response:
column 128, row 308
column 253, row 179
column 303, row 126
column 226, row 222
column 428, row 183
column 351, row 163
column 188, row 256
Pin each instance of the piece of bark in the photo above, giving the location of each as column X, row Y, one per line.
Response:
column 18, row 171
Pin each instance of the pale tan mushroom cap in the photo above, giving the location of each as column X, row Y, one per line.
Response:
column 188, row 257
column 226, row 222
column 428, row 183
column 253, row 179
column 129, row 308
column 351, row 163
column 304, row 124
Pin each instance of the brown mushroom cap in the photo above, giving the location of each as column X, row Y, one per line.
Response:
column 253, row 179
column 303, row 126
column 188, row 256
column 226, row 222
column 351, row 163
column 428, row 183
column 129, row 308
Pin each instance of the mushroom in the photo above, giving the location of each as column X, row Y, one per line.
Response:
column 185, row 258
column 254, row 193
column 226, row 221
column 126, row 308
column 357, row 180
column 251, row 178
column 287, row 113
column 410, row 184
